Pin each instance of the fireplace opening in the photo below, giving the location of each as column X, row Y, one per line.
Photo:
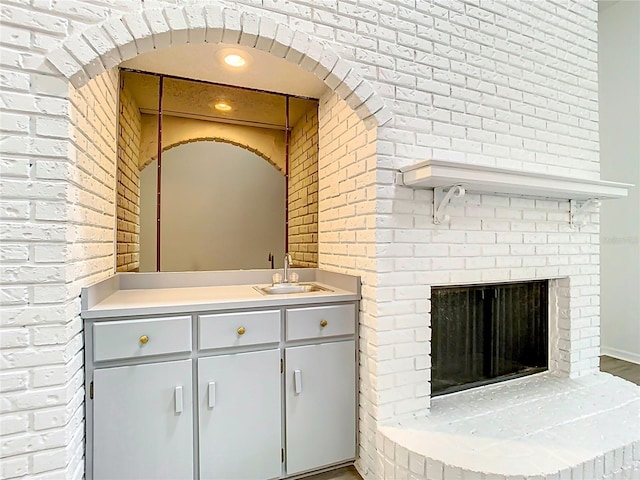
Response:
column 484, row 334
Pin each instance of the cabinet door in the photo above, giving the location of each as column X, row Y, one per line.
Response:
column 321, row 409
column 240, row 417
column 143, row 422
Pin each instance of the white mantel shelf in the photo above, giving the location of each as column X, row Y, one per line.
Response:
column 451, row 179
column 481, row 179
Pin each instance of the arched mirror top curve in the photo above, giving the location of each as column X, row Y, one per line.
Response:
column 232, row 137
column 222, row 209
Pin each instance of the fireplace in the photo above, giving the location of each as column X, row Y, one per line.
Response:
column 484, row 334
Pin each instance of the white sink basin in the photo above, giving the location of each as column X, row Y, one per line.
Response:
column 288, row 288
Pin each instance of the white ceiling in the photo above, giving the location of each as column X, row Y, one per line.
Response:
column 263, row 71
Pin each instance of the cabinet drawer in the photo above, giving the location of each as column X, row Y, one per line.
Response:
column 320, row 322
column 141, row 338
column 238, row 329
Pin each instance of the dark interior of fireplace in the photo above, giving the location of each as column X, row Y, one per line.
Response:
column 484, row 334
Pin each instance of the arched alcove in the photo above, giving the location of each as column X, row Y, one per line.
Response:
column 88, row 54
column 350, row 112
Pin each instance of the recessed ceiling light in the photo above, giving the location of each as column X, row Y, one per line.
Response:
column 234, row 60
column 222, row 107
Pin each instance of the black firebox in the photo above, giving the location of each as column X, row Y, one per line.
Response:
column 487, row 333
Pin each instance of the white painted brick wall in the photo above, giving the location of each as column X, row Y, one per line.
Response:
column 492, row 82
column 346, row 166
column 51, row 210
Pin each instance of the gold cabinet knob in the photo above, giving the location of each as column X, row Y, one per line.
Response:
column 241, row 331
column 144, row 339
column 323, row 323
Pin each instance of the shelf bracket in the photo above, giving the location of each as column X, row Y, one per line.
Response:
column 580, row 211
column 441, row 198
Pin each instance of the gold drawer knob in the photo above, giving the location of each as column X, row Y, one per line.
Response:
column 144, row 339
column 241, row 331
column 323, row 323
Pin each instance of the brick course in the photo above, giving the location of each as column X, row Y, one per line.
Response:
column 346, row 241
column 128, row 184
column 303, row 191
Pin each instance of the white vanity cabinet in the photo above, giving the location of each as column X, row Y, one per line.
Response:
column 320, row 386
column 239, row 396
column 232, row 395
column 143, row 421
column 321, row 405
column 240, row 427
column 141, row 413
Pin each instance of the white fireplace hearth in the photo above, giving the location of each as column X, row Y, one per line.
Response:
column 540, row 427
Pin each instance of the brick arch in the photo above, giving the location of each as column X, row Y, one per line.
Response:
column 215, row 139
column 86, row 55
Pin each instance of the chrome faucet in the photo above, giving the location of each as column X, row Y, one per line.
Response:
column 288, row 263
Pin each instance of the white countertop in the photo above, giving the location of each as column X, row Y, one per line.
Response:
column 161, row 301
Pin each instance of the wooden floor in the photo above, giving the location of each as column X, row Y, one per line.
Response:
column 627, row 370
column 348, row 473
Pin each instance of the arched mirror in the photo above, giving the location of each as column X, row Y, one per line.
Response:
column 222, row 208
column 213, row 177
